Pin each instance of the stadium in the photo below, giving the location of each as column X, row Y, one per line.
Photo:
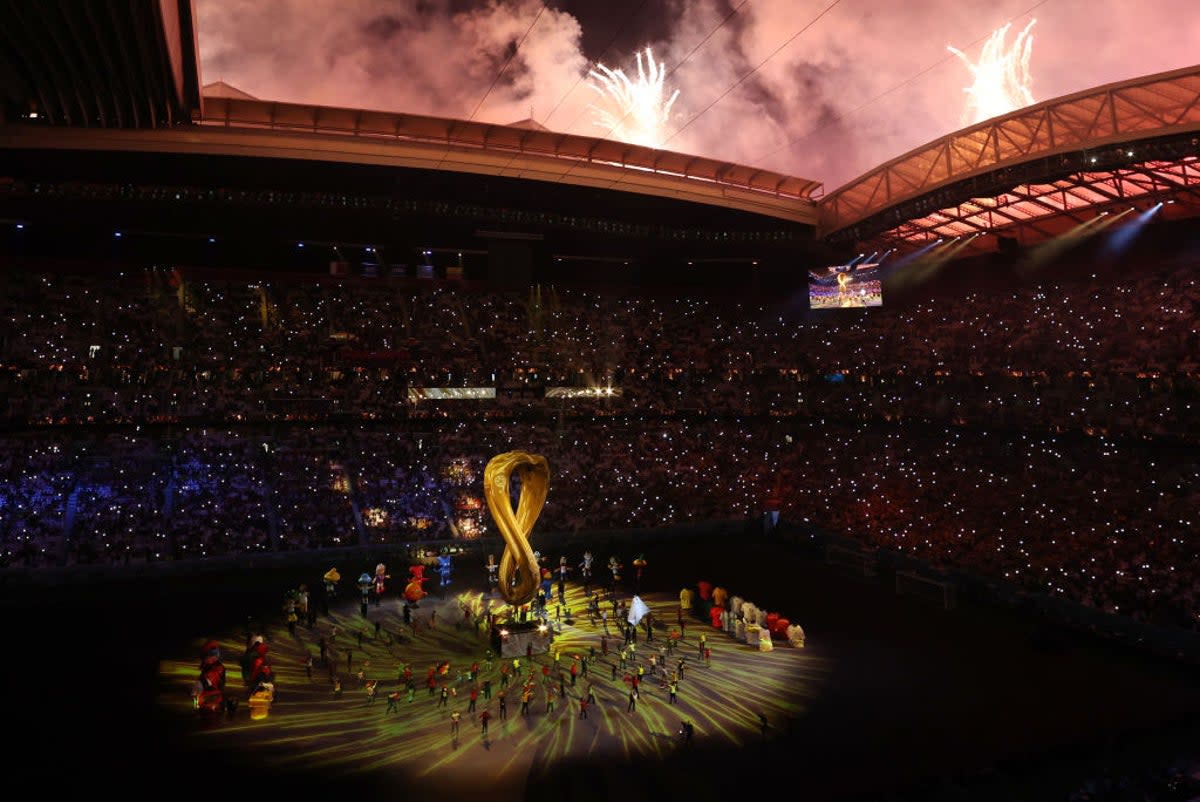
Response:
column 882, row 491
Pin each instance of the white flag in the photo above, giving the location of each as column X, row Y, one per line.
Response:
column 637, row 610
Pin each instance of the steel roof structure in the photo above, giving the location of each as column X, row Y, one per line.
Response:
column 88, row 75
column 519, row 152
column 99, row 64
column 95, row 75
column 1034, row 173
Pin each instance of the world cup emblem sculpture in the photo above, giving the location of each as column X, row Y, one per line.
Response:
column 519, row 571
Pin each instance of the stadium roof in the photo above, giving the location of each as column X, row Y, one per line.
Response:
column 99, row 64
column 131, row 70
column 1034, row 173
column 88, row 75
column 222, row 89
column 517, row 151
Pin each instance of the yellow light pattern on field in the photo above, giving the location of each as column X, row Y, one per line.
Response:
column 311, row 727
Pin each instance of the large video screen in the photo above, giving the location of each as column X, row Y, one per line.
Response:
column 845, row 287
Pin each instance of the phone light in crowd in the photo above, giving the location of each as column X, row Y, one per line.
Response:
column 212, row 240
column 117, row 234
column 21, row 226
column 299, row 244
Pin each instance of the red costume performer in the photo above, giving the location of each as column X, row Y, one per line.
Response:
column 211, row 693
column 257, row 666
column 415, row 590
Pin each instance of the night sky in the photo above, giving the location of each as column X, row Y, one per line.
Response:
column 824, row 90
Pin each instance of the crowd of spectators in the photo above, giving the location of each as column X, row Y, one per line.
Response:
column 116, row 500
column 218, row 494
column 1106, row 356
column 312, row 490
column 397, row 478
column 1043, row 436
column 1171, row 780
column 35, row 478
column 1107, row 523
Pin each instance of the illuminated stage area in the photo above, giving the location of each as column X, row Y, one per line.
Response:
column 890, row 696
column 408, row 740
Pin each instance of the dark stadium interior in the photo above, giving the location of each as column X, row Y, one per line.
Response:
column 257, row 210
column 979, row 703
column 223, row 369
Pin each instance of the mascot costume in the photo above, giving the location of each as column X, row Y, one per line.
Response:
column 259, row 677
column 546, row 592
column 259, row 671
column 639, row 565
column 704, row 602
column 615, row 566
column 414, row 591
column 332, row 577
column 445, row 569
column 685, row 600
column 585, row 570
column 381, row 577
column 210, row 695
column 365, row 585
column 719, row 597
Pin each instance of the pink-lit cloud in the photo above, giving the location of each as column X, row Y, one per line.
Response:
column 868, row 81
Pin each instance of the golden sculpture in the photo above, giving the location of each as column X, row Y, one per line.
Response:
column 519, row 572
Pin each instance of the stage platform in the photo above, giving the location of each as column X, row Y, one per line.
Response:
column 890, row 693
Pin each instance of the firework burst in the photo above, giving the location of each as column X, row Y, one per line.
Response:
column 633, row 110
column 1001, row 76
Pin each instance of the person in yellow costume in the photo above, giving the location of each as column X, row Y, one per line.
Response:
column 332, row 577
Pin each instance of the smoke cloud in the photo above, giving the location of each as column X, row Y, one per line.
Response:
column 866, row 82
